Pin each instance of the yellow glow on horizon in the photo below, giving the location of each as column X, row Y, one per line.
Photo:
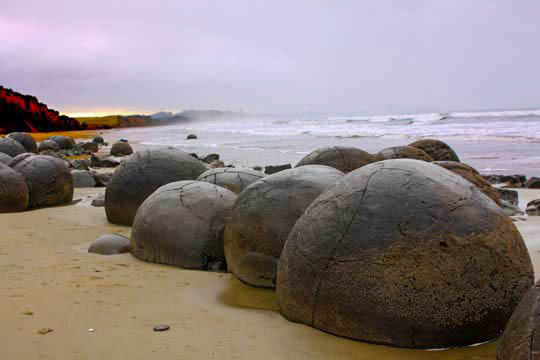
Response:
column 108, row 112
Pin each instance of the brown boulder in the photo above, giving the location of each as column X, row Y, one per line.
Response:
column 343, row 158
column 438, row 150
column 403, row 152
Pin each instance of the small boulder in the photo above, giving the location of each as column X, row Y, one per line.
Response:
column 48, row 145
column 25, row 140
column 235, row 180
column 82, row 179
column 13, row 192
column 191, row 137
column 181, row 224
column 110, row 244
column 210, row 158
column 65, row 142
column 514, row 181
column 11, row 147
column 216, row 164
column 98, row 201
column 533, row 183
column 511, row 196
column 103, row 161
column 272, row 169
column 511, row 209
column 343, row 158
column 403, row 152
column 438, row 150
column 121, row 148
column 533, row 208
column 98, row 140
column 101, row 179
column 90, row 146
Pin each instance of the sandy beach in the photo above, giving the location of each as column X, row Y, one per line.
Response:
column 49, row 281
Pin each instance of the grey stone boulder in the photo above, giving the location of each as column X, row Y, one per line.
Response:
column 533, row 208
column 438, row 150
column 17, row 159
column 64, row 142
column 533, row 183
column 5, row 158
column 121, row 148
column 143, row 173
column 403, row 152
column 82, row 179
column 233, row 179
column 181, row 224
column 26, row 140
column 404, row 253
column 99, row 201
column 48, row 178
column 512, row 196
column 343, row 158
column 13, row 190
column 103, row 161
column 511, row 209
column 11, row 147
column 191, row 137
column 110, row 244
column 48, row 145
column 264, row 214
column 272, row 169
column 89, row 146
column 98, row 140
column 521, row 338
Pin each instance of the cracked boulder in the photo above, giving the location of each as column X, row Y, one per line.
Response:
column 13, row 190
column 471, row 174
column 233, row 179
column 403, row 152
column 181, row 224
column 438, row 150
column 48, row 145
column 264, row 214
column 404, row 253
column 17, row 159
column 143, row 173
column 25, row 140
column 11, row 147
column 343, row 158
column 121, row 148
column 48, row 178
column 521, row 338
column 64, row 142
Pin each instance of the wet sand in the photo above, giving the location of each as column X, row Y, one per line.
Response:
column 48, row 280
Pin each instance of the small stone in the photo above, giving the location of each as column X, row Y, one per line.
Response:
column 161, row 327
column 91, row 330
column 27, row 312
column 191, row 137
column 44, row 331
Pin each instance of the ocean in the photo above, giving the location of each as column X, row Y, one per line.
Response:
column 495, row 142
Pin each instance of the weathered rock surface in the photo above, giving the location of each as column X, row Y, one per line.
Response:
column 103, row 161
column 48, row 178
column 64, row 142
column 143, row 173
column 110, row 244
column 181, row 224
column 471, row 174
column 233, row 179
column 48, row 145
column 521, row 338
column 438, row 150
column 533, row 183
column 511, row 209
column 25, row 140
column 533, row 208
column 405, row 253
column 343, row 158
column 90, row 146
column 98, row 201
column 11, row 147
column 121, row 148
column 82, row 179
column 13, row 190
column 17, row 159
column 403, row 152
column 272, row 169
column 512, row 196
column 5, row 158
column 263, row 216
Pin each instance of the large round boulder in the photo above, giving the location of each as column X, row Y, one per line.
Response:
column 404, row 253
column 233, row 179
column 143, row 173
column 121, row 148
column 64, row 142
column 25, row 140
column 5, row 158
column 48, row 145
column 471, row 174
column 48, row 178
column 263, row 216
column 13, row 190
column 17, row 159
column 343, row 158
column 181, row 224
column 438, row 150
column 521, row 338
column 11, row 147
column 403, row 152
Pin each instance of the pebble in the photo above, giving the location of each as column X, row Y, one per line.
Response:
column 44, row 331
column 161, row 327
column 27, row 312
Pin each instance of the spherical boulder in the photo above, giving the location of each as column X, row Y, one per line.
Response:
column 121, row 148
column 405, row 253
column 264, row 214
column 438, row 150
column 343, row 158
column 191, row 137
column 64, row 142
column 17, row 159
column 98, row 140
column 48, row 145
column 11, row 147
column 13, row 190
column 233, row 179
column 520, row 339
column 48, row 178
column 471, row 174
column 110, row 244
column 181, row 224
column 403, row 152
column 5, row 158
column 25, row 140
column 143, row 173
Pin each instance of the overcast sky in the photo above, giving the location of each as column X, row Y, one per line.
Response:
column 273, row 55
